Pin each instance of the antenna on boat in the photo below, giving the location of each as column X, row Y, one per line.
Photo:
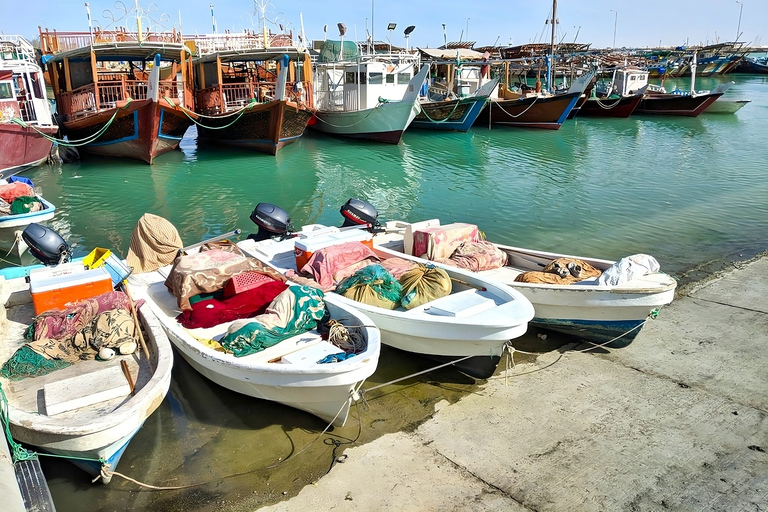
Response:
column 342, row 31
column 213, row 21
column 445, row 38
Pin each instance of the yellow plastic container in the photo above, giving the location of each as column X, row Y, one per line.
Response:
column 114, row 265
column 96, row 258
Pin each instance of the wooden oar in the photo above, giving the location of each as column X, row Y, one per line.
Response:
column 137, row 326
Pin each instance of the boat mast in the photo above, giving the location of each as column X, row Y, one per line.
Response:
column 551, row 74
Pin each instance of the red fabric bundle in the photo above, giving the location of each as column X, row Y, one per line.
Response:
column 211, row 312
column 16, row 189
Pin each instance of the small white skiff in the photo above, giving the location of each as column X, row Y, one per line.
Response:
column 288, row 372
column 592, row 311
column 94, row 435
column 469, row 326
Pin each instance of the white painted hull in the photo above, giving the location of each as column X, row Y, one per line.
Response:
column 100, row 431
column 595, row 313
column 324, row 390
column 483, row 333
column 386, row 122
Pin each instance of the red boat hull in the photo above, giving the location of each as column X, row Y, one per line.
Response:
column 22, row 147
column 548, row 113
column 141, row 130
column 622, row 107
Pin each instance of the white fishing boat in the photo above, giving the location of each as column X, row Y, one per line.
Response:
column 592, row 310
column 289, row 372
column 470, row 326
column 87, row 412
column 12, row 225
column 366, row 96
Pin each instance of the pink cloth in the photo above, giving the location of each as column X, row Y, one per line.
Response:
column 398, row 266
column 440, row 242
column 331, row 264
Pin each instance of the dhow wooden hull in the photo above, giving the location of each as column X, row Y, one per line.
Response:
column 22, row 147
column 534, row 112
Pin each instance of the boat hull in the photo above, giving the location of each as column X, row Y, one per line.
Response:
column 384, row 123
column 534, row 112
column 265, row 127
column 22, row 147
column 621, row 107
column 142, row 130
column 96, row 433
column 722, row 106
column 458, row 114
column 323, row 390
column 11, row 227
column 675, row 105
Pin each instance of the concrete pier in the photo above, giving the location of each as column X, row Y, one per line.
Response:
column 676, row 421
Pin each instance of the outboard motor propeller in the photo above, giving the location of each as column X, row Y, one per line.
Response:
column 46, row 245
column 357, row 212
column 272, row 221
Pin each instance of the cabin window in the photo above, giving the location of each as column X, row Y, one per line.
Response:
column 632, row 78
column 349, row 77
column 375, row 78
column 403, row 78
column 6, row 91
column 390, row 78
column 642, row 77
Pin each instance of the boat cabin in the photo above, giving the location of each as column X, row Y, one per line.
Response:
column 22, row 87
column 93, row 73
column 629, row 80
column 229, row 80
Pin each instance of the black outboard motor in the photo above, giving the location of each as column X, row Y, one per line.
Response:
column 357, row 212
column 46, row 245
column 272, row 221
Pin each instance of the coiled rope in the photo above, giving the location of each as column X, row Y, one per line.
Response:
column 348, row 338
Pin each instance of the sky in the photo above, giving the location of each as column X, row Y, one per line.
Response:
column 630, row 23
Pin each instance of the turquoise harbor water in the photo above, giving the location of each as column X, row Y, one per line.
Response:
column 690, row 191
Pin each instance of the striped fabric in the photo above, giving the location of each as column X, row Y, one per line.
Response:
column 154, row 244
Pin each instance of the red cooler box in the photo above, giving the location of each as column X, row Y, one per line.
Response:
column 54, row 288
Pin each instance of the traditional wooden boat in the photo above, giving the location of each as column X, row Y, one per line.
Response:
column 366, row 96
column 454, row 113
column 26, row 125
column 527, row 108
column 588, row 309
column 250, row 94
column 656, row 100
column 290, row 372
column 87, row 412
column 613, row 99
column 469, row 327
column 118, row 93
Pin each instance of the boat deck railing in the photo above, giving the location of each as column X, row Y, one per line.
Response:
column 91, row 99
column 220, row 99
column 55, row 42
column 336, row 100
column 212, row 43
column 13, row 47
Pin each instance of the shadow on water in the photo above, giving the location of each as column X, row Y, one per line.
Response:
column 246, row 452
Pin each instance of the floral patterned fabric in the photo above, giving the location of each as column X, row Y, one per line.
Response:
column 559, row 271
column 477, row 256
column 439, row 242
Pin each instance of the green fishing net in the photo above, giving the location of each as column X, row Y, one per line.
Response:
column 372, row 285
column 25, row 362
column 25, row 204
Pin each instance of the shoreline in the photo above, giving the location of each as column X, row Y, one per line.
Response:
column 674, row 422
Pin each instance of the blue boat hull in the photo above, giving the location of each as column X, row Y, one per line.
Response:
column 457, row 115
column 595, row 331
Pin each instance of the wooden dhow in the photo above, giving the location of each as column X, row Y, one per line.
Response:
column 252, row 91
column 120, row 94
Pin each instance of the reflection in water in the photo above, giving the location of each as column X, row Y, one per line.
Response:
column 688, row 191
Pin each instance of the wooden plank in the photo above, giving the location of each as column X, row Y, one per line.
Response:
column 86, row 389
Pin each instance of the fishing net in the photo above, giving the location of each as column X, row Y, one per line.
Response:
column 298, row 309
column 25, row 204
column 372, row 285
column 25, row 362
column 423, row 284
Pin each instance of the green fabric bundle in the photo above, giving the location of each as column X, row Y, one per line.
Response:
column 372, row 285
column 25, row 204
column 297, row 309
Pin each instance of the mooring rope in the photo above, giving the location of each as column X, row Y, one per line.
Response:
column 370, row 111
column 239, row 114
column 455, row 106
column 521, row 113
column 605, row 105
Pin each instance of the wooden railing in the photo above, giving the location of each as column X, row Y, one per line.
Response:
column 231, row 97
column 56, row 42
column 84, row 101
column 212, row 43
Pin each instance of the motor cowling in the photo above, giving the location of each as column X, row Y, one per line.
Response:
column 357, row 212
column 46, row 245
column 271, row 220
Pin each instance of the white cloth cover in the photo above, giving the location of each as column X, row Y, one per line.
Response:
column 629, row 268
